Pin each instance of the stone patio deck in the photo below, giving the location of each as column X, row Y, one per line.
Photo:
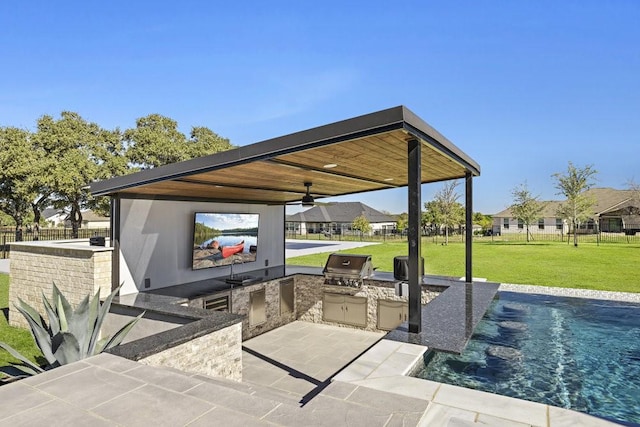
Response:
column 294, row 375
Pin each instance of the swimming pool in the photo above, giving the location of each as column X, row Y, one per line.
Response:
column 576, row 353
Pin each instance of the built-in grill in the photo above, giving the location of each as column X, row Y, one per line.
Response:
column 347, row 270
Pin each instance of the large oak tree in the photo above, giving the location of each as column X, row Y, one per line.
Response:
column 21, row 175
column 78, row 152
column 156, row 141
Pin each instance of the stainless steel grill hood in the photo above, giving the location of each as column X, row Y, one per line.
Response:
column 347, row 269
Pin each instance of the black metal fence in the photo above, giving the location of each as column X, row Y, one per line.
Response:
column 8, row 235
column 631, row 235
column 348, row 236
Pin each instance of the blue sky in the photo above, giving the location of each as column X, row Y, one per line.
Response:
column 523, row 87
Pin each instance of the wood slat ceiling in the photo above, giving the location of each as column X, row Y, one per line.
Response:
column 364, row 164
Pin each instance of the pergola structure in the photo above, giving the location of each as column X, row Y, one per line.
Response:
column 386, row 149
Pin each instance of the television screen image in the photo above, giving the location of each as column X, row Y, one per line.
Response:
column 221, row 239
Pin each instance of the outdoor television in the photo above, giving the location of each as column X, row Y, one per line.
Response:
column 221, row 239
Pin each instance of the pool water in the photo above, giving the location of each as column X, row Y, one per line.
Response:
column 575, row 353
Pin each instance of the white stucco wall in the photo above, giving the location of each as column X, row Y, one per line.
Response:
column 549, row 226
column 156, row 241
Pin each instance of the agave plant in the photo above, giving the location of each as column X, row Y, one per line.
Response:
column 71, row 335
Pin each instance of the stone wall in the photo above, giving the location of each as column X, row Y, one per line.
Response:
column 309, row 298
column 310, row 289
column 76, row 268
column 218, row 354
column 240, row 304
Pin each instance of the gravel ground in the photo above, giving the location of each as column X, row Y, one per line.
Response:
column 568, row 292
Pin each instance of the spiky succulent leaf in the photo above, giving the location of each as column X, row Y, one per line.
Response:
column 62, row 316
column 77, row 331
column 32, row 312
column 102, row 342
column 30, row 367
column 54, row 321
column 27, row 370
column 78, row 326
column 66, row 348
column 39, row 333
column 117, row 338
column 94, row 310
column 102, row 314
column 57, row 295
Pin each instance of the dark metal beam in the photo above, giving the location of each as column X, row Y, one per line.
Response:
column 115, row 242
column 468, row 226
column 414, row 165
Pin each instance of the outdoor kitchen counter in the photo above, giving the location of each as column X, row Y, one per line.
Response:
column 447, row 321
column 186, row 291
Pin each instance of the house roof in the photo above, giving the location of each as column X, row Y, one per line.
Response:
column 365, row 153
column 90, row 215
column 340, row 212
column 550, row 209
column 50, row 212
column 606, row 200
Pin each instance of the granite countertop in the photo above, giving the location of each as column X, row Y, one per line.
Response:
column 203, row 322
column 192, row 290
column 449, row 320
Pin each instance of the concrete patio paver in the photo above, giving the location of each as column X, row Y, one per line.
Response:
column 152, row 405
column 492, row 404
column 300, row 356
column 55, row 413
column 109, row 390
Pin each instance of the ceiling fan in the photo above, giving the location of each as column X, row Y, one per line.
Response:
column 307, row 200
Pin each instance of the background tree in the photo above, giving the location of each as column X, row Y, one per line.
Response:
column 6, row 220
column 204, row 141
column 484, row 221
column 114, row 163
column 632, row 211
column 402, row 222
column 156, row 141
column 20, row 175
column 361, row 224
column 447, row 209
column 572, row 185
column 634, row 187
column 77, row 152
column 430, row 220
column 526, row 207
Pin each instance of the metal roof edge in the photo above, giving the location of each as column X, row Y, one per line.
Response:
column 427, row 132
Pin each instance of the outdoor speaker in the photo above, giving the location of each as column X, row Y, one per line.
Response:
column 96, row 241
column 401, row 267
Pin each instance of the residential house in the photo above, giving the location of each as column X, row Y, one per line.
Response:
column 60, row 218
column 614, row 211
column 337, row 218
column 90, row 219
column 54, row 217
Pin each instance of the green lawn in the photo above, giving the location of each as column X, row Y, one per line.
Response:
column 612, row 267
column 18, row 338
